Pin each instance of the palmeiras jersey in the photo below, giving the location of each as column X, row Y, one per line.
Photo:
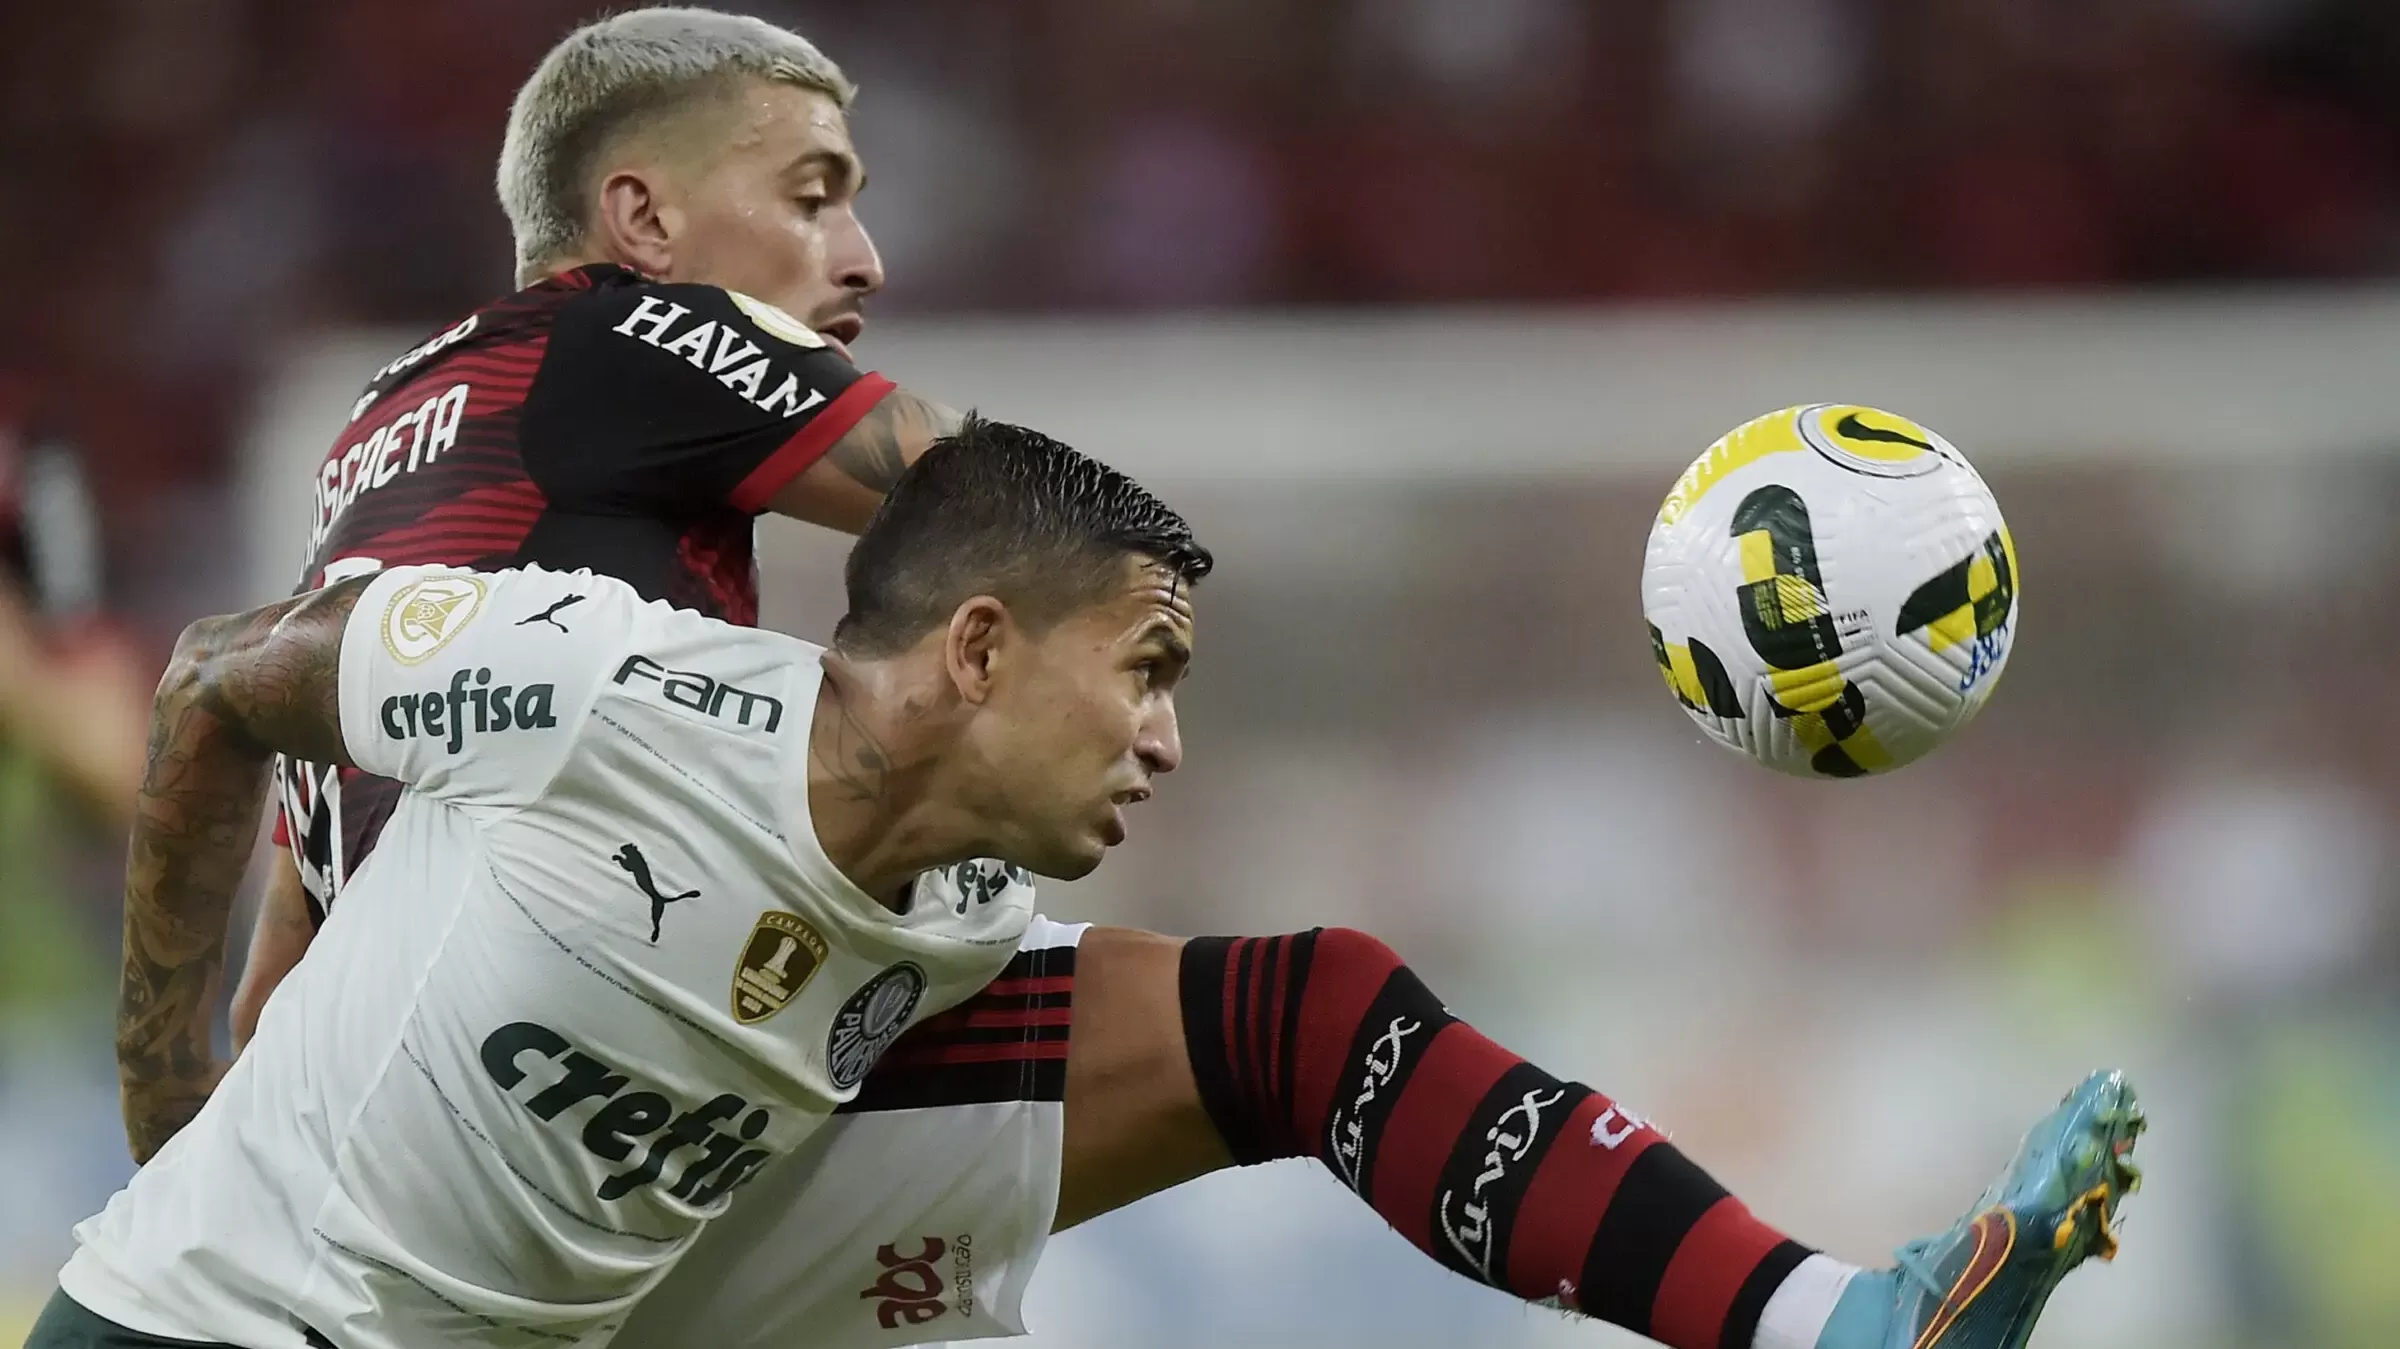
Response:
column 597, row 974
column 596, row 419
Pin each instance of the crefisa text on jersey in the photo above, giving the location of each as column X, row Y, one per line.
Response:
column 626, row 1117
column 497, row 707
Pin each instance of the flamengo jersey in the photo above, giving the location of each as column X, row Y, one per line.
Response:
column 598, row 973
column 596, row 420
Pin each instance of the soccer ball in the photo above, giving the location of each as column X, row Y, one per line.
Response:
column 1830, row 590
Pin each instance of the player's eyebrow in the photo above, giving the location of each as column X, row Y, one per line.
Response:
column 1176, row 649
column 841, row 165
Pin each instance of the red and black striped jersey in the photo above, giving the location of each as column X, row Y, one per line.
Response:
column 596, row 419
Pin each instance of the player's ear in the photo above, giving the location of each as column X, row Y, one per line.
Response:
column 976, row 645
column 634, row 224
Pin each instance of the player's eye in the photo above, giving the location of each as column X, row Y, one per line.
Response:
column 811, row 203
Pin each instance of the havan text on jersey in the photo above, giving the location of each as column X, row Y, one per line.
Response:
column 720, row 350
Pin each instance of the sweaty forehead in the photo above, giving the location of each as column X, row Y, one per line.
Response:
column 768, row 122
column 1156, row 593
column 789, row 120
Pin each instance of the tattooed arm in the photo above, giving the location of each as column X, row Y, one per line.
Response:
column 239, row 689
column 841, row 490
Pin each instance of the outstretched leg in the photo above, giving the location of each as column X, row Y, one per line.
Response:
column 1190, row 1055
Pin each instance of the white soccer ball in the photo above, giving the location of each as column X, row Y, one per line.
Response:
column 1831, row 590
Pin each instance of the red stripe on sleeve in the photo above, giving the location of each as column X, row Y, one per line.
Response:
column 1335, row 999
column 1010, row 1052
column 809, row 443
column 1266, row 969
column 1233, row 1008
column 1563, row 1205
column 1005, row 1017
column 1459, row 1067
column 1272, row 1032
column 1027, row 986
column 1708, row 1271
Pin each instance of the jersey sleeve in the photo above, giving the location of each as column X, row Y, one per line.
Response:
column 658, row 398
column 472, row 686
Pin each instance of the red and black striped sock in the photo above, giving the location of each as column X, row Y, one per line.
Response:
column 1322, row 1044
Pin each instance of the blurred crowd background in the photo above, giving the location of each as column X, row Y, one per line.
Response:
column 1424, row 705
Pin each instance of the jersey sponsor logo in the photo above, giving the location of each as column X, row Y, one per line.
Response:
column 637, row 866
column 1347, row 1130
column 405, row 444
column 911, row 1291
column 1468, row 1220
column 784, row 952
column 699, row 693
column 722, row 350
column 981, row 882
column 1615, row 1125
column 629, row 1113
column 444, row 715
column 424, row 615
column 869, row 1022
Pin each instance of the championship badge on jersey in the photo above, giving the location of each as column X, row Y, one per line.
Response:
column 782, row 955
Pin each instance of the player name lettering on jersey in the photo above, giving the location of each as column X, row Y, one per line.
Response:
column 625, row 1117
column 720, row 350
column 699, row 693
column 404, row 444
column 455, row 333
column 444, row 714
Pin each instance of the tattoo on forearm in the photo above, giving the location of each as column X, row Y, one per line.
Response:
column 239, row 689
column 892, row 434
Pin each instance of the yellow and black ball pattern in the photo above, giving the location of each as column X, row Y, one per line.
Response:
column 1831, row 590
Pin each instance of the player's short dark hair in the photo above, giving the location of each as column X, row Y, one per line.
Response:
column 1000, row 510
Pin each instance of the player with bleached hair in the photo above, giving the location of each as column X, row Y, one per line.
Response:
column 684, row 195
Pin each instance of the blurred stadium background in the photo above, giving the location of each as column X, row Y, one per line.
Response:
column 1417, row 306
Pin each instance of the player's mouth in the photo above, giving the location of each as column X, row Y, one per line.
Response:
column 1113, row 831
column 845, row 330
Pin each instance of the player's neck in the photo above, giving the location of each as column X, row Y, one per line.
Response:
column 875, row 789
column 579, row 258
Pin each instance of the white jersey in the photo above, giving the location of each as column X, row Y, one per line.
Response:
column 918, row 1215
column 597, row 973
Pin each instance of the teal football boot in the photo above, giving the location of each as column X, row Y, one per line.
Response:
column 1983, row 1283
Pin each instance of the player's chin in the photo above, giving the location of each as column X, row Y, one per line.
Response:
column 1079, row 854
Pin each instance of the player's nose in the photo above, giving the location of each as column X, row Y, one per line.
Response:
column 1160, row 744
column 857, row 267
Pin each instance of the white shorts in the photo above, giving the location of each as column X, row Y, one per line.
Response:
column 918, row 1212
